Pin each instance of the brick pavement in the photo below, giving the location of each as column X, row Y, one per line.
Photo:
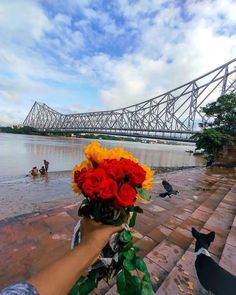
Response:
column 163, row 233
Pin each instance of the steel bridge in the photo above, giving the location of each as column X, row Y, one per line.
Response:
column 174, row 115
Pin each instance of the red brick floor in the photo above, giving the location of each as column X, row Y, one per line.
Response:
column 163, row 233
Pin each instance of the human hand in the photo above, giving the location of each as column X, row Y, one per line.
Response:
column 96, row 233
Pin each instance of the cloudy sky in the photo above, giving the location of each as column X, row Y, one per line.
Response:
column 84, row 55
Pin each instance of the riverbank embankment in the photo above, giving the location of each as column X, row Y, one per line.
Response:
column 206, row 200
column 27, row 194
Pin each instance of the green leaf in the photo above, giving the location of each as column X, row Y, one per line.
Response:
column 135, row 280
column 140, row 264
column 127, row 284
column 129, row 254
column 85, row 202
column 135, row 284
column 86, row 287
column 127, row 247
column 129, row 265
column 136, row 249
column 75, row 289
column 138, row 209
column 147, row 289
column 144, row 194
column 97, row 211
column 133, row 220
column 125, row 236
column 146, row 278
column 121, row 282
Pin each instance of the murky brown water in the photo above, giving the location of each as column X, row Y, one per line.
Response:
column 19, row 153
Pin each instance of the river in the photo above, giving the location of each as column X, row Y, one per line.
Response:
column 19, row 153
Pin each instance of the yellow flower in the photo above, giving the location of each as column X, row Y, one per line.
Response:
column 84, row 164
column 148, row 182
column 95, row 153
column 119, row 152
column 138, row 198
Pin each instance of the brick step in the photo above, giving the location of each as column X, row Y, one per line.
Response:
column 167, row 228
column 228, row 256
column 183, row 279
column 163, row 237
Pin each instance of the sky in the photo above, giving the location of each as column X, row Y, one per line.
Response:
column 87, row 55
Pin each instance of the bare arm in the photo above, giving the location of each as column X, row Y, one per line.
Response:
column 59, row 278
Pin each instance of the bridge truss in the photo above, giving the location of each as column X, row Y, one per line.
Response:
column 174, row 115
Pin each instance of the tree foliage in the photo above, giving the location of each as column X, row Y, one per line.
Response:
column 211, row 141
column 223, row 113
column 221, row 126
column 22, row 130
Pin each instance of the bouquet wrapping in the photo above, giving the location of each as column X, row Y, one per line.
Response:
column 112, row 182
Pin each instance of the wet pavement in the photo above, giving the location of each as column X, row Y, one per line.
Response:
column 27, row 194
column 207, row 201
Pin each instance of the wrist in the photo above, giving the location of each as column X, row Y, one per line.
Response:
column 94, row 243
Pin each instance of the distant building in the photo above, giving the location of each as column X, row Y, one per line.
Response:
column 18, row 126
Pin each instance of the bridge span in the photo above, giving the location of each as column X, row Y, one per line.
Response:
column 174, row 115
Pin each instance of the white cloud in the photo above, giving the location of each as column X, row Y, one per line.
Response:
column 23, row 20
column 194, row 47
column 170, row 45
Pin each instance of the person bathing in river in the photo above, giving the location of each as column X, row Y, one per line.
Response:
column 42, row 171
column 46, row 164
column 34, row 171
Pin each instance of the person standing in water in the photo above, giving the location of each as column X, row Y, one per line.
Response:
column 46, row 164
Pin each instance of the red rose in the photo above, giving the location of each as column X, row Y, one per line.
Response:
column 126, row 196
column 136, row 173
column 137, row 176
column 107, row 189
column 113, row 169
column 76, row 176
column 92, row 181
column 79, row 177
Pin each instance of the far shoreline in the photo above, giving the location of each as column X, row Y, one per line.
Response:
column 91, row 136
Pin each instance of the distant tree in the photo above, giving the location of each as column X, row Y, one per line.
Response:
column 223, row 113
column 218, row 132
column 211, row 141
column 22, row 130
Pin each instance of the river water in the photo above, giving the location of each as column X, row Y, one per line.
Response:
column 19, row 153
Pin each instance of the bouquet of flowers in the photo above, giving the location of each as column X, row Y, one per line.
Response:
column 112, row 183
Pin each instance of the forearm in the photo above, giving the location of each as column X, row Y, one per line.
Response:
column 60, row 277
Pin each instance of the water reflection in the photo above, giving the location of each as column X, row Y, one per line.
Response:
column 19, row 153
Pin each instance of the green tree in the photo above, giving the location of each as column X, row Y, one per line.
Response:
column 211, row 141
column 221, row 126
column 223, row 113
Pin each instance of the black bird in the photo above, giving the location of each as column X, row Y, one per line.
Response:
column 169, row 190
